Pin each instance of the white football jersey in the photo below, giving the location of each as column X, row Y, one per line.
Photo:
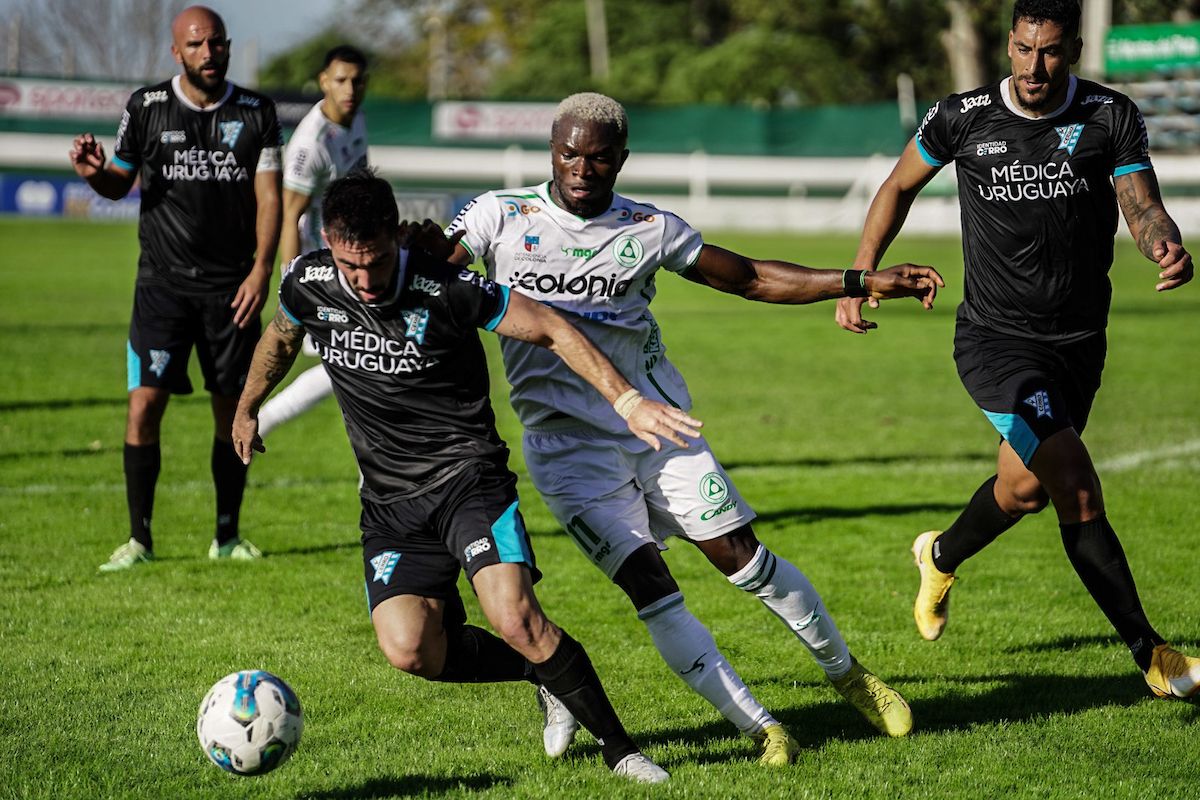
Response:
column 600, row 273
column 319, row 152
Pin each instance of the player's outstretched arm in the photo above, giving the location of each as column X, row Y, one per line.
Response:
column 533, row 322
column 784, row 282
column 273, row 357
column 1156, row 234
column 90, row 163
column 884, row 220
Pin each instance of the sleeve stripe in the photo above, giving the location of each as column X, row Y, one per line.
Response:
column 494, row 321
column 928, row 159
column 289, row 314
column 1128, row 168
column 122, row 163
column 467, row 247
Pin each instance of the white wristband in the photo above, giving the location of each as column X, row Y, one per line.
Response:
column 625, row 404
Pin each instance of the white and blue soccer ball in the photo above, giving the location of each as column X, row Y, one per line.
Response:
column 249, row 722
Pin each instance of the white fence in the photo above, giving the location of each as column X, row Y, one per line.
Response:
column 845, row 185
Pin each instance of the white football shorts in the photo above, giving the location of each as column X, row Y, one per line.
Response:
column 613, row 494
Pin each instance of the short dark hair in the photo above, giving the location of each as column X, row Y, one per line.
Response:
column 359, row 207
column 346, row 53
column 1064, row 13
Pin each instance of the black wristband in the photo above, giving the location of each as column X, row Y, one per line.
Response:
column 854, row 283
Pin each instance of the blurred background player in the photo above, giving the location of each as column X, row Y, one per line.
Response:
column 397, row 331
column 328, row 143
column 575, row 244
column 1043, row 160
column 207, row 153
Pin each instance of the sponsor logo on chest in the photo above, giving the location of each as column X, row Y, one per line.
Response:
column 316, row 273
column 327, row 314
column 426, row 285
column 976, row 101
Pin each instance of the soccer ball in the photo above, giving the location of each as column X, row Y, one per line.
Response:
column 249, row 722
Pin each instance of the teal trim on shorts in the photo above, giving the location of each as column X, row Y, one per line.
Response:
column 928, row 159
column 494, row 321
column 509, row 533
column 1128, row 168
column 1016, row 432
column 133, row 367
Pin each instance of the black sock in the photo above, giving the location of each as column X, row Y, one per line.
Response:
column 475, row 656
column 570, row 676
column 1097, row 557
column 142, row 463
column 229, row 476
column 976, row 527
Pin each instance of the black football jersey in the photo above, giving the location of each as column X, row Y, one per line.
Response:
column 1038, row 207
column 197, row 170
column 410, row 373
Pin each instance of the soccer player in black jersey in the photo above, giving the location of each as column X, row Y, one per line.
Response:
column 207, row 156
column 397, row 332
column 1043, row 160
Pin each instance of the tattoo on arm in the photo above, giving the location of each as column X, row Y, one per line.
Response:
column 1141, row 203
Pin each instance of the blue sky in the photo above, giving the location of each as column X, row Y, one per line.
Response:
column 264, row 27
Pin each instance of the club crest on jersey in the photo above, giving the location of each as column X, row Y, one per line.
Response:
column 628, row 251
column 1068, row 137
column 158, row 361
column 1040, row 401
column 531, row 243
column 230, row 131
column 385, row 565
column 416, row 320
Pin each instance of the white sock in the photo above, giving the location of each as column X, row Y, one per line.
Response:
column 790, row 596
column 310, row 387
column 692, row 654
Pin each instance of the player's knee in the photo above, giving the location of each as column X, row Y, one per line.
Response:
column 732, row 551
column 644, row 577
column 1021, row 494
column 409, row 655
column 521, row 629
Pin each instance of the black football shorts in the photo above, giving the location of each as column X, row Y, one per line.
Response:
column 167, row 324
column 418, row 544
column 1029, row 389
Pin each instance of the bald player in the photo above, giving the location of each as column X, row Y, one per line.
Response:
column 207, row 155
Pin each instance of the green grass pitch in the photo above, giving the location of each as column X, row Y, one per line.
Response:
column 846, row 446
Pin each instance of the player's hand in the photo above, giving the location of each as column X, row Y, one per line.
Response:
column 849, row 314
column 1174, row 263
column 428, row 236
column 87, row 156
column 245, row 437
column 251, row 296
column 651, row 420
column 905, row 280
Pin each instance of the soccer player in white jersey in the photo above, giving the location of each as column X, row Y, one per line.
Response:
column 329, row 142
column 594, row 255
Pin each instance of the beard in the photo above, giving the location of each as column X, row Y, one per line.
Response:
column 205, row 82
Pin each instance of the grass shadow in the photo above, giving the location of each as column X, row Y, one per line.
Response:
column 1018, row 698
column 900, row 458
column 410, row 786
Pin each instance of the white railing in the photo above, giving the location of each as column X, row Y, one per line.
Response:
column 846, row 185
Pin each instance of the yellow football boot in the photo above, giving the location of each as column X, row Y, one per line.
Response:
column 1172, row 674
column 778, row 747
column 879, row 703
column 932, row 606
